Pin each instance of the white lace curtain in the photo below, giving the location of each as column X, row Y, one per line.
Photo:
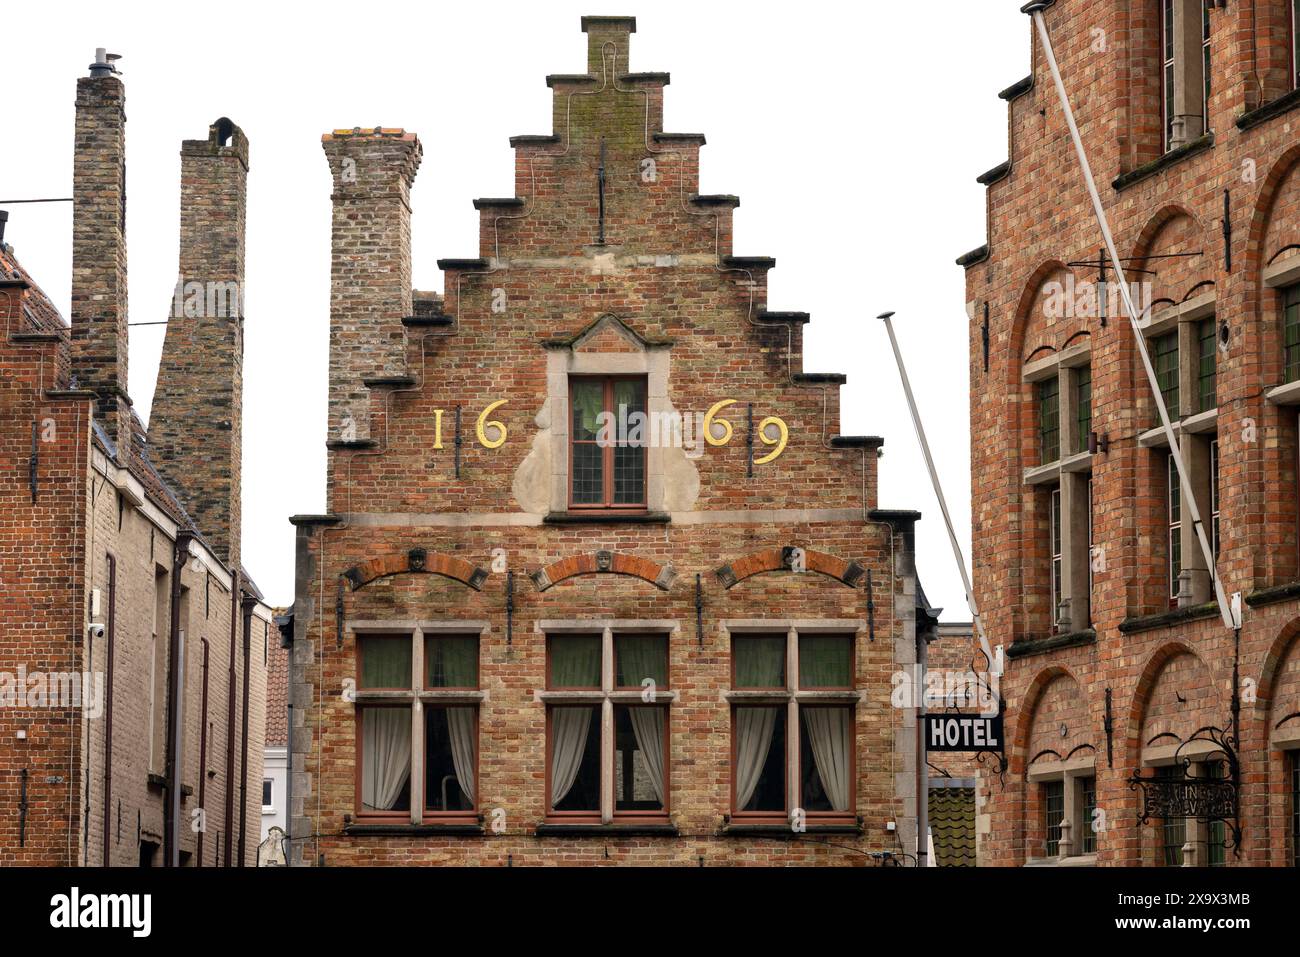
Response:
column 754, row 728
column 829, row 735
column 574, row 662
column 386, row 756
column 460, row 729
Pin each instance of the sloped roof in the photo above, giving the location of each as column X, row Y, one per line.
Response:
column 38, row 309
column 277, row 696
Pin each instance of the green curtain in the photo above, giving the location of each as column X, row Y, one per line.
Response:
column 588, row 402
column 628, row 392
column 451, row 662
column 825, row 661
column 385, row 661
column 575, row 661
column 638, row 657
column 760, row 662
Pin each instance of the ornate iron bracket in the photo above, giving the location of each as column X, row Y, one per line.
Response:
column 1210, row 800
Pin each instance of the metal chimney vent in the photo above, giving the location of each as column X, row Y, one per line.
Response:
column 105, row 63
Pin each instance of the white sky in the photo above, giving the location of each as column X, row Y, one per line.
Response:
column 852, row 134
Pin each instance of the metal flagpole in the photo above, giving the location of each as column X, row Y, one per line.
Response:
column 938, row 492
column 1035, row 10
column 922, row 655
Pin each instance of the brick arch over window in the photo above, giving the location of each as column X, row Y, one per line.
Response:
column 1030, row 336
column 417, row 561
column 1271, row 241
column 604, row 563
column 784, row 559
column 1034, row 336
column 1280, row 673
column 1053, row 698
column 1174, row 229
column 1172, row 671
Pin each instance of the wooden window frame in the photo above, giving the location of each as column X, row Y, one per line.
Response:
column 1082, row 407
column 1056, row 551
column 1172, row 395
column 1052, row 846
column 1048, row 393
column 607, row 503
column 1290, row 299
column 1174, row 525
column 603, row 699
column 1294, row 761
column 415, row 698
column 1086, row 840
column 795, row 699
column 1207, row 333
column 1168, row 72
column 1295, row 44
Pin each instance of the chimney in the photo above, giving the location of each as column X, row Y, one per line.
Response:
column 370, row 267
column 195, row 424
column 4, row 219
column 99, row 336
column 608, row 40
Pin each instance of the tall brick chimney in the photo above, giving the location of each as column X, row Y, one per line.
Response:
column 370, row 266
column 99, row 334
column 196, row 423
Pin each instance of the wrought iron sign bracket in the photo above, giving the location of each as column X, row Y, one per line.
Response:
column 1210, row 800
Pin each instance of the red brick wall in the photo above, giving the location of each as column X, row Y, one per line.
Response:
column 665, row 273
column 1039, row 218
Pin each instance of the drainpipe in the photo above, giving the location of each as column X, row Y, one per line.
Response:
column 109, row 648
column 203, row 753
column 249, row 603
column 922, row 766
column 175, row 671
column 230, row 715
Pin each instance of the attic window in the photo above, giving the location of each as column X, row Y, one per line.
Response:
column 607, row 447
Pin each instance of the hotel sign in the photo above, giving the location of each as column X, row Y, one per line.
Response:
column 951, row 732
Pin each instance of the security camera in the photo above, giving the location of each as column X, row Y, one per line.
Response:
column 95, row 630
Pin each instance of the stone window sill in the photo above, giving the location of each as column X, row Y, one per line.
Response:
column 666, row 829
column 741, row 829
column 1262, row 114
column 1177, row 616
column 607, row 518
column 375, row 829
column 1172, row 158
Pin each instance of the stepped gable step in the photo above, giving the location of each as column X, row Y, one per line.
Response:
column 534, row 139
column 821, row 378
column 765, row 315
column 1017, row 88
column 996, row 173
column 35, row 337
column 856, row 441
column 749, row 262
column 647, row 77
column 14, row 282
column 341, row 445
column 974, row 257
column 563, row 78
column 499, row 202
column 718, row 200
column 463, row 265
column 432, row 320
column 389, row 382
column 696, row 138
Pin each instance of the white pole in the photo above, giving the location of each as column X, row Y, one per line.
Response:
column 1189, row 497
column 938, row 493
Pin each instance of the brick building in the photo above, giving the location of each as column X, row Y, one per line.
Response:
column 119, row 548
column 1087, row 568
column 517, row 641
